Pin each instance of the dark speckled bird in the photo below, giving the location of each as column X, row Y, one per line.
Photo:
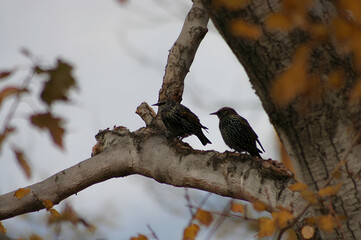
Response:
column 181, row 121
column 237, row 133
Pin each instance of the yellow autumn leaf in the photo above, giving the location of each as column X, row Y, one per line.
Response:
column 204, row 217
column 291, row 234
column 336, row 78
column 231, row 4
column 259, row 206
column 309, row 196
column 298, row 187
column 2, row 228
column 48, row 204
column 330, row 190
column 326, row 223
column 310, row 220
column 21, row 192
column 294, row 80
column 242, row 28
column 35, row 237
column 191, row 232
column 282, row 218
column 266, row 227
column 356, row 91
column 278, row 21
column 238, row 208
column 54, row 213
column 140, row 237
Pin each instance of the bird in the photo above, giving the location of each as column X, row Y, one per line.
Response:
column 181, row 121
column 237, row 133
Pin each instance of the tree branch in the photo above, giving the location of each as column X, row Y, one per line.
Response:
column 147, row 153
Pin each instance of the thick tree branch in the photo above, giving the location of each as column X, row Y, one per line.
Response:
column 147, row 153
column 182, row 53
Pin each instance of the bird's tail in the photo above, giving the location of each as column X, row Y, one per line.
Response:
column 256, row 153
column 203, row 138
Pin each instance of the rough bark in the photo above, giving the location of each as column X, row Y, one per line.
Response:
column 315, row 131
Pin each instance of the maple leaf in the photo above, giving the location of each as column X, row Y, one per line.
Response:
column 282, row 218
column 23, row 163
column 48, row 204
column 21, row 192
column 2, row 228
column 266, row 227
column 204, row 217
column 59, row 83
column 330, row 190
column 327, row 223
column 5, row 74
column 309, row 196
column 243, row 29
column 140, row 237
column 9, row 91
column 259, row 206
column 52, row 124
column 238, row 208
column 191, row 232
column 298, row 187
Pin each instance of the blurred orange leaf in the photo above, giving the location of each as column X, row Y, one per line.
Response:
column 352, row 6
column 204, row 217
column 8, row 91
column 48, row 204
column 310, row 220
column 35, row 237
column 21, row 192
column 243, row 29
column 327, row 223
column 238, row 208
column 336, row 78
column 278, row 21
column 266, row 227
column 259, row 206
column 356, row 91
column 140, row 237
column 230, row 4
column 6, row 73
column 330, row 190
column 282, row 218
column 293, row 81
column 54, row 213
column 2, row 228
column 191, row 232
column 309, row 196
column 23, row 163
column 52, row 124
column 59, row 83
column 298, row 187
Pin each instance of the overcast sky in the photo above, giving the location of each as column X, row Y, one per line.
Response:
column 119, row 52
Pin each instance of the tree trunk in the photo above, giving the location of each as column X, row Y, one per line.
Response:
column 320, row 124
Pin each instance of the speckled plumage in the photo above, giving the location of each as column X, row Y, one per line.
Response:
column 237, row 133
column 181, row 121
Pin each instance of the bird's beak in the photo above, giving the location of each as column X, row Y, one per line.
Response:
column 159, row 104
column 155, row 104
column 215, row 113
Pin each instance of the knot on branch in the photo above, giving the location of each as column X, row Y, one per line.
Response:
column 106, row 138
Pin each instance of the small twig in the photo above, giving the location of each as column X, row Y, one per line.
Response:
column 220, row 220
column 244, row 217
column 16, row 102
column 189, row 203
column 200, row 206
column 154, row 235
